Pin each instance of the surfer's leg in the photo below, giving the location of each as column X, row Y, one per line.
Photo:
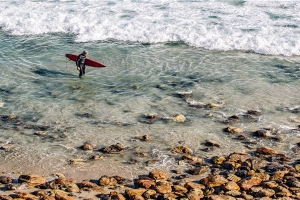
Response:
column 80, row 71
column 83, row 69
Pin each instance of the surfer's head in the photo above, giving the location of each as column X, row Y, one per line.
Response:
column 85, row 52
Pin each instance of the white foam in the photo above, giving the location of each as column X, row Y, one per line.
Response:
column 264, row 27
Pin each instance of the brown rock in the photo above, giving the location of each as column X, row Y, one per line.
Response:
column 179, row 118
column 282, row 192
column 262, row 133
column 148, row 194
column 87, row 185
column 116, row 148
column 218, row 160
column 163, row 187
column 249, row 182
column 114, row 195
column 192, row 185
column 231, row 129
column 32, row 179
column 266, row 151
column 212, row 143
column 5, row 197
column 63, row 197
column 231, row 185
column 238, row 157
column 5, row 179
column 27, row 196
column 231, row 165
column 63, row 181
column 195, row 194
column 270, row 184
column 191, row 158
column 72, row 187
column 179, row 188
column 133, row 192
column 233, row 177
column 278, row 175
column 158, row 175
column 214, row 181
column 88, row 146
column 144, row 138
column 221, row 197
column 144, row 182
column 107, row 181
column 6, row 146
column 182, row 149
column 265, row 193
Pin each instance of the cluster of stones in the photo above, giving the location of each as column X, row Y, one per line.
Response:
column 262, row 174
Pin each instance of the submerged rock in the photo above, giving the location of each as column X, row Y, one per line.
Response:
column 88, row 146
column 116, row 148
column 144, row 138
column 179, row 118
column 182, row 150
column 231, row 129
column 211, row 143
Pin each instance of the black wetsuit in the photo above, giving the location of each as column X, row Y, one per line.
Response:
column 80, row 62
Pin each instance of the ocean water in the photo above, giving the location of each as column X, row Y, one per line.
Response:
column 244, row 55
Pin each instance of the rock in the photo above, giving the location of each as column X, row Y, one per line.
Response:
column 214, row 105
column 144, row 138
column 144, row 182
column 233, row 177
column 88, row 146
column 72, row 187
column 63, row 197
column 211, row 143
column 196, row 104
column 214, row 181
column 192, row 185
column 5, row 179
column 151, row 115
column 231, row 129
column 163, row 187
column 278, row 175
column 266, row 151
column 231, row 165
column 63, row 181
column 179, row 188
column 32, row 179
column 182, row 149
column 1, row 104
column 107, row 181
column 218, row 160
column 89, row 186
column 96, row 157
column 265, row 193
column 27, row 196
column 149, row 193
column 293, row 182
column 179, row 118
column 231, row 120
column 133, row 192
column 282, row 192
column 6, row 146
column 158, row 175
column 195, row 194
column 185, row 94
column 231, row 185
column 116, row 148
column 5, row 197
column 238, row 157
column 249, row 182
column 270, row 184
column 191, row 158
column 221, row 197
column 262, row 133
column 40, row 133
column 114, row 195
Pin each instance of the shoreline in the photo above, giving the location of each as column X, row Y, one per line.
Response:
column 262, row 173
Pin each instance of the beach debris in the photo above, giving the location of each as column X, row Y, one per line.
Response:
column 116, row 148
column 179, row 118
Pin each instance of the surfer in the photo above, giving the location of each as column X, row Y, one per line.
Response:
column 80, row 62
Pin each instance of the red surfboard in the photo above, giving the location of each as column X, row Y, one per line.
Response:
column 88, row 62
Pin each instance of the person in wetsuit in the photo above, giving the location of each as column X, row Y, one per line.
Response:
column 80, row 62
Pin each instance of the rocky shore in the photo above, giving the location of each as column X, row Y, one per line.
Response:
column 262, row 173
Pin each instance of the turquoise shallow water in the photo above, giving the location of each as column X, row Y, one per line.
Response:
column 109, row 105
